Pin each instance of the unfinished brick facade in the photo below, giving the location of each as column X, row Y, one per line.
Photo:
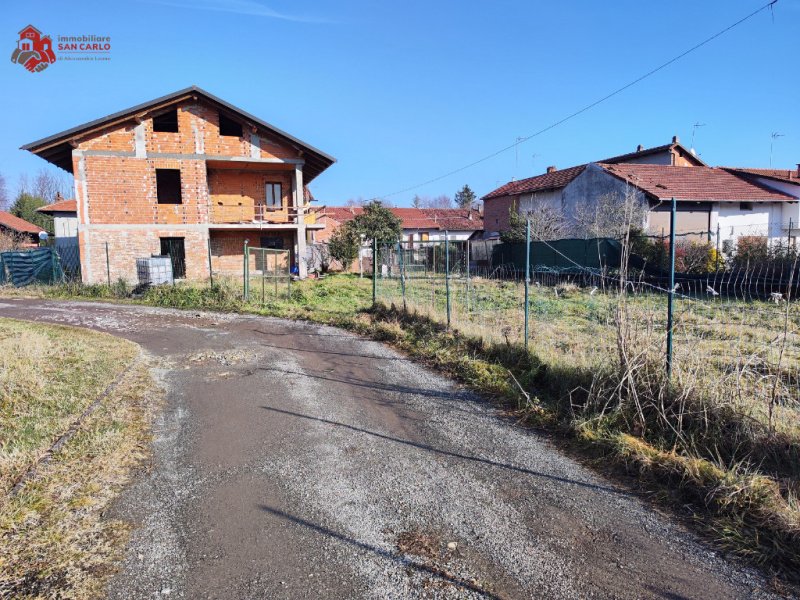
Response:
column 211, row 188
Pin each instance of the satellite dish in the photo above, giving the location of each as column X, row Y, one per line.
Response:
column 43, row 236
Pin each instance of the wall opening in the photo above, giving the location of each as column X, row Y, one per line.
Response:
column 168, row 186
column 228, row 126
column 166, row 122
column 175, row 249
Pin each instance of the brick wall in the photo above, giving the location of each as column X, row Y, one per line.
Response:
column 126, row 245
column 495, row 213
column 227, row 248
column 121, row 191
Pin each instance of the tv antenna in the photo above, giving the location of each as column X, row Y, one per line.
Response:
column 775, row 135
column 694, row 130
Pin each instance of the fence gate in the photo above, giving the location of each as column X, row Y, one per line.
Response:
column 267, row 271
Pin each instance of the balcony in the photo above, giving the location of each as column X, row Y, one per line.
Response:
column 263, row 216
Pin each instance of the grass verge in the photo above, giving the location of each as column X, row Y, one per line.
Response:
column 747, row 511
column 54, row 541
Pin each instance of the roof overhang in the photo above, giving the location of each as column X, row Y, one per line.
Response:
column 57, row 148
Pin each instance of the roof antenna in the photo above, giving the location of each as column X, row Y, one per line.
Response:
column 775, row 135
column 516, row 155
column 694, row 130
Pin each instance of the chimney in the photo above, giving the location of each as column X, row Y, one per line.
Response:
column 639, row 148
column 675, row 139
column 59, row 197
column 551, row 169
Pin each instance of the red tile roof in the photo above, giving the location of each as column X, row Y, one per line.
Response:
column 561, row 178
column 60, row 206
column 696, row 183
column 540, row 183
column 788, row 175
column 9, row 221
column 454, row 219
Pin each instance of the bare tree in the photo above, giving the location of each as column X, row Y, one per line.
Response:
column 547, row 222
column 611, row 215
column 3, row 193
column 48, row 185
column 442, row 201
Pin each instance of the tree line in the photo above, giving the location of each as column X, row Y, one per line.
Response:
column 44, row 188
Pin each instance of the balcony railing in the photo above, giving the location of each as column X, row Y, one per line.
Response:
column 260, row 214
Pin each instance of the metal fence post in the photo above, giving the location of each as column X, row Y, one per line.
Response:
column 671, row 294
column 210, row 270
column 716, row 266
column 527, row 276
column 402, row 273
column 447, row 272
column 246, row 273
column 108, row 267
column 374, row 271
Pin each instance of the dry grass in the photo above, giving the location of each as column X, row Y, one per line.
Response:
column 53, row 539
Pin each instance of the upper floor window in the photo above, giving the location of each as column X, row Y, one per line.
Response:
column 168, row 186
column 745, row 206
column 228, row 126
column 167, row 121
column 274, row 197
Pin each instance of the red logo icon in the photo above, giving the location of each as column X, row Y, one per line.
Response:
column 34, row 51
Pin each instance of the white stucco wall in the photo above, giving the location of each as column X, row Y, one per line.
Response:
column 766, row 219
column 65, row 226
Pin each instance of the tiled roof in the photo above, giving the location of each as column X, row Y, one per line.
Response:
column 695, row 183
column 547, row 181
column 9, row 221
column 791, row 176
column 455, row 219
column 60, row 206
column 561, row 178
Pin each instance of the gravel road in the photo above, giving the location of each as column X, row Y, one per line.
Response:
column 299, row 461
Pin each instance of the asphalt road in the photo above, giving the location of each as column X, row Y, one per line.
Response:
column 298, row 461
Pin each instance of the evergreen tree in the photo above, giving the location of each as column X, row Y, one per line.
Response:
column 344, row 245
column 377, row 222
column 465, row 197
column 25, row 207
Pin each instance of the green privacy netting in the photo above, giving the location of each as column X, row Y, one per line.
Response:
column 30, row 266
column 592, row 254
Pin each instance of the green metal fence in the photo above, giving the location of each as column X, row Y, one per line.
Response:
column 266, row 273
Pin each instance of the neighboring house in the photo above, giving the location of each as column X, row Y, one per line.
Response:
column 419, row 224
column 185, row 174
column 734, row 202
column 549, row 187
column 709, row 200
column 27, row 233
column 65, row 217
column 65, row 230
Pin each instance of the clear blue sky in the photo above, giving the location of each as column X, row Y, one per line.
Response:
column 401, row 92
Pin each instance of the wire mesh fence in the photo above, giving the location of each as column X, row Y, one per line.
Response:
column 736, row 330
column 267, row 274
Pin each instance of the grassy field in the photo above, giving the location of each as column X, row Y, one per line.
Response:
column 53, row 541
column 720, row 437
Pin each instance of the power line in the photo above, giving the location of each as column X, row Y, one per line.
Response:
column 588, row 107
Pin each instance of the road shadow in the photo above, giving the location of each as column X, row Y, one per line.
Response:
column 317, row 351
column 400, row 559
column 467, row 457
column 455, row 395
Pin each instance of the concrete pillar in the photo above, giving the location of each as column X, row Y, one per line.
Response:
column 299, row 203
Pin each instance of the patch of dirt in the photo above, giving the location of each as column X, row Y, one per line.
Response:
column 419, row 544
column 225, row 358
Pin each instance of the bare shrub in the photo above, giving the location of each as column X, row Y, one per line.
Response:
column 612, row 215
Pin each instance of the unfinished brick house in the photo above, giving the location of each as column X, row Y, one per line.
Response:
column 181, row 175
